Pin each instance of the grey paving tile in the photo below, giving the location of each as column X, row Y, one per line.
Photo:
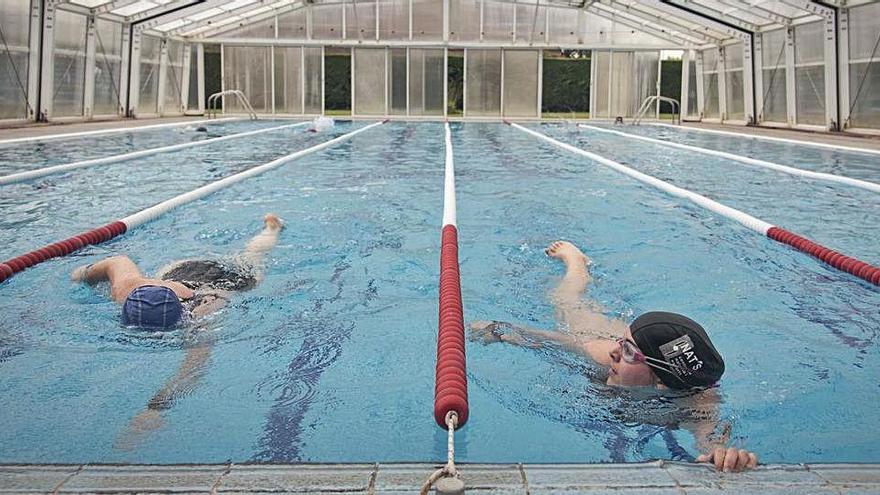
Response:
column 705, row 475
column 32, row 478
column 408, row 477
column 762, row 490
column 140, row 479
column 848, row 473
column 297, row 478
column 583, row 476
column 610, row 491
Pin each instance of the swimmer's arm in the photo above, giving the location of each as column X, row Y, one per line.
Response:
column 713, row 437
column 534, row 338
column 184, row 381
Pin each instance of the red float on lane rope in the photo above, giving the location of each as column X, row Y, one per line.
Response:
column 840, row 261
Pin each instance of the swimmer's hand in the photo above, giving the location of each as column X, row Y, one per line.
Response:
column 730, row 460
column 484, row 332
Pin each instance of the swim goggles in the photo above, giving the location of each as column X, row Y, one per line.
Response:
column 630, row 353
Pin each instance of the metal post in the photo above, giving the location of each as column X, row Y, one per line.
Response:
column 272, row 77
column 482, row 20
column 376, row 6
column 124, row 72
column 790, row 81
column 748, row 88
column 659, row 81
column 387, row 105
column 324, row 83
column 163, row 70
column 345, row 18
column 185, row 77
column 352, row 57
column 47, row 71
column 831, row 67
column 540, row 80
column 410, row 37
column 135, row 75
column 722, row 84
column 502, row 82
column 302, row 79
column 685, row 81
column 445, row 20
column 200, row 74
column 843, row 68
column 222, row 78
column 89, row 83
column 407, row 79
column 700, row 89
column 445, row 81
column 33, row 75
column 594, row 70
column 758, row 61
column 464, row 78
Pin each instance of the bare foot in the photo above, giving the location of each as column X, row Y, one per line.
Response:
column 273, row 222
column 568, row 253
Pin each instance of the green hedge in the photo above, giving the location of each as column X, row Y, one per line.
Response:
column 337, row 84
column 670, row 82
column 565, row 85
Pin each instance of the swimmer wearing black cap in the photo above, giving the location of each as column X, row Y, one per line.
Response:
column 181, row 294
column 658, row 349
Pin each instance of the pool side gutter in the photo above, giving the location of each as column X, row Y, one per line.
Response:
column 654, row 478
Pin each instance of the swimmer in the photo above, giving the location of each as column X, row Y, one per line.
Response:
column 201, row 129
column 180, row 295
column 665, row 351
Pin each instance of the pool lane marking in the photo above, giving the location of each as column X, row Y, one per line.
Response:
column 870, row 186
column 42, row 172
column 450, row 374
column 829, row 256
column 70, row 135
column 119, row 227
column 834, row 147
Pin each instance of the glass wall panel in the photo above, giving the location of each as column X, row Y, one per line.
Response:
column 711, row 64
column 498, row 21
column 14, row 22
column 397, row 80
column 149, row 75
column 602, row 60
column 108, row 63
column 394, row 19
column 369, row 81
column 464, row 20
column 521, row 73
column 314, row 80
column 647, row 65
column 693, row 110
column 360, row 21
column 563, row 26
column 864, row 69
column 427, row 20
column 69, row 61
column 247, row 69
column 288, row 79
column 773, row 57
column 327, row 21
column 292, row 25
column 530, row 23
column 426, row 81
column 809, row 73
column 174, row 78
column 622, row 83
column 733, row 82
column 193, row 94
column 482, row 83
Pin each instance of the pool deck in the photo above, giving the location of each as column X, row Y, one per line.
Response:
column 650, row 478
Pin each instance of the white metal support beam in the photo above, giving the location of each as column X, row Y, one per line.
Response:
column 200, row 73
column 117, row 4
column 185, row 76
column 634, row 20
column 843, row 69
column 748, row 82
column 831, row 71
column 701, row 90
column 124, row 74
column 680, row 12
column 685, row 82
column 47, row 70
column 135, row 75
column 790, row 81
column 760, row 91
column 89, row 84
column 163, row 70
column 715, row 14
column 33, row 74
column 666, row 16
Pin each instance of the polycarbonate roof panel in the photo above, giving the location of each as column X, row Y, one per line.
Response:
column 135, row 8
column 90, row 3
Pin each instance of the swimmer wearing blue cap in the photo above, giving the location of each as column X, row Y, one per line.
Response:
column 182, row 293
column 659, row 349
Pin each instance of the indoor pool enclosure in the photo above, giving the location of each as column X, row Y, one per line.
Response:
column 500, row 246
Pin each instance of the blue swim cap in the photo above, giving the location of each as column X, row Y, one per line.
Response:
column 152, row 306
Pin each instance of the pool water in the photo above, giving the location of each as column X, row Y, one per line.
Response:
column 331, row 357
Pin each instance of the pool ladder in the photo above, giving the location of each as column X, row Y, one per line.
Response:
column 646, row 105
column 242, row 99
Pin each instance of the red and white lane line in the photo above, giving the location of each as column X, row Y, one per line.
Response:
column 42, row 172
column 840, row 261
column 863, row 184
column 450, row 391
column 117, row 130
column 834, row 147
column 119, row 227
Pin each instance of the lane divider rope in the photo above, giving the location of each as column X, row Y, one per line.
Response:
column 42, row 172
column 833, row 258
column 109, row 231
column 117, row 130
column 870, row 186
column 450, row 379
column 834, row 147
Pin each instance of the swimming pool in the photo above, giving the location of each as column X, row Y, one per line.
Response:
column 331, row 359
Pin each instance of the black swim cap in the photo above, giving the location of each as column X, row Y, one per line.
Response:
column 683, row 344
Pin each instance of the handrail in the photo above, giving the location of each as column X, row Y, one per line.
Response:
column 646, row 104
column 212, row 102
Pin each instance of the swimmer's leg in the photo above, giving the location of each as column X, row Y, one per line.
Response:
column 254, row 254
column 123, row 275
